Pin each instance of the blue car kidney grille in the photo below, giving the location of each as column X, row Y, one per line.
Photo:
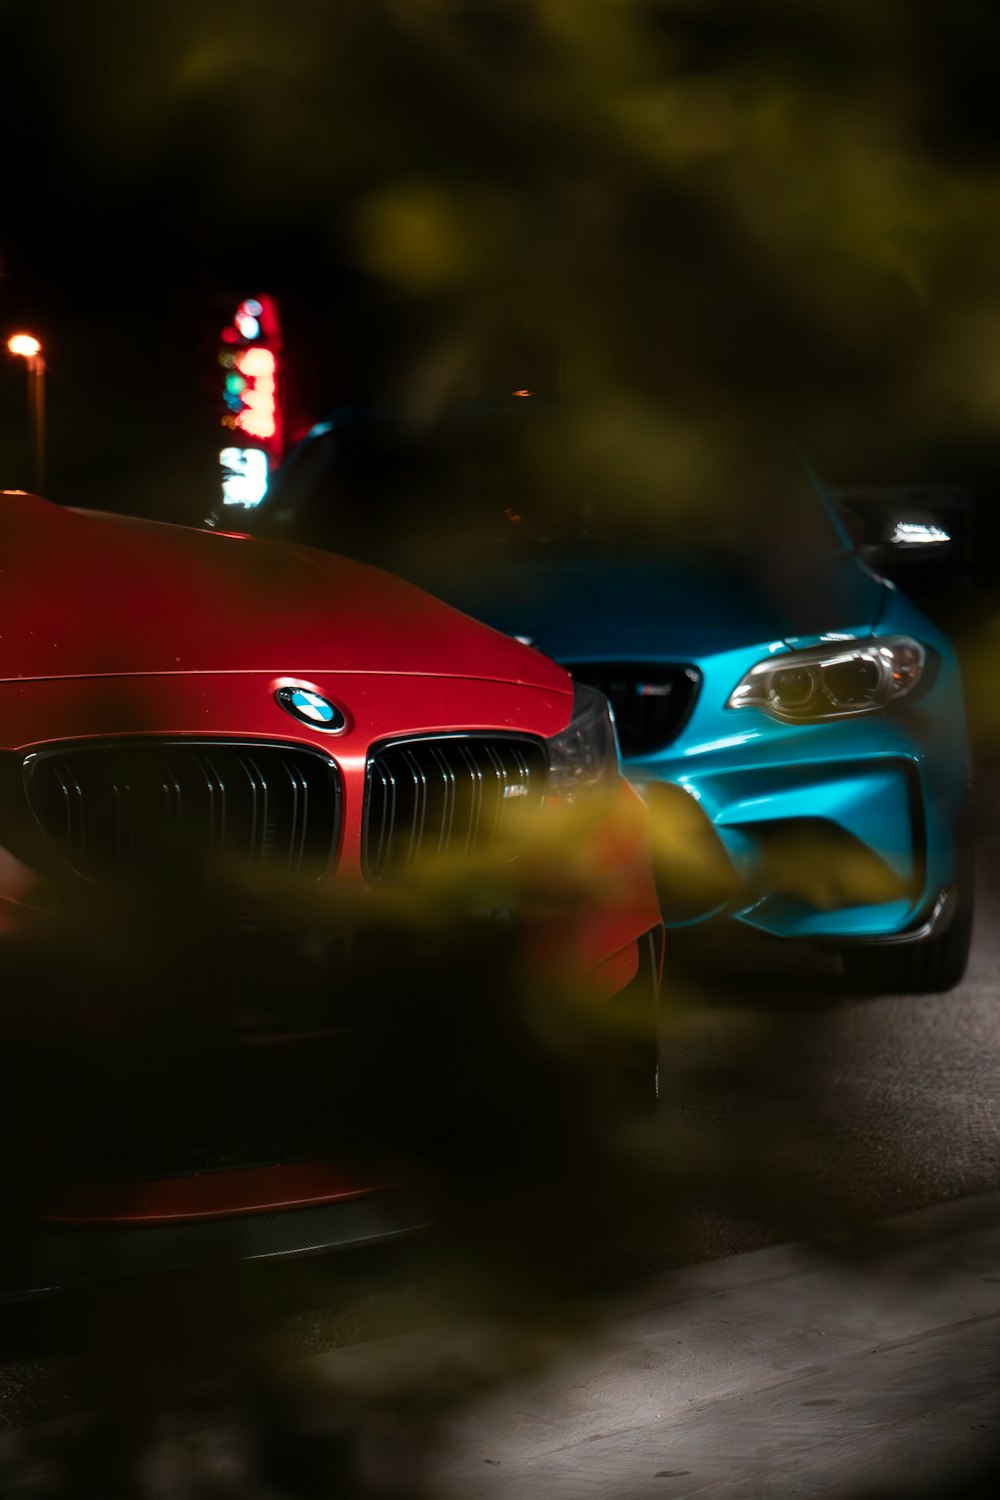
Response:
column 446, row 796
column 117, row 809
column 652, row 703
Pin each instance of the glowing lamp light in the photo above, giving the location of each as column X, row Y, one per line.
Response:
column 251, row 308
column 257, row 400
column 230, row 336
column 258, row 424
column 910, row 533
column 248, row 327
column 24, row 344
column 255, row 362
column 244, row 476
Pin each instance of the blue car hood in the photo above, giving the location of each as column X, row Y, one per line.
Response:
column 583, row 606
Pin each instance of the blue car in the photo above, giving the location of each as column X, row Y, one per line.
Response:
column 794, row 721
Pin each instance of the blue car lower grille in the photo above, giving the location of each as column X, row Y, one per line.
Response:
column 117, row 809
column 449, row 795
column 652, row 703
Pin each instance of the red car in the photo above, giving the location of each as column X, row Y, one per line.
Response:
column 294, row 711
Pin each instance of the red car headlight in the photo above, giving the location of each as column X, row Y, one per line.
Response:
column 585, row 755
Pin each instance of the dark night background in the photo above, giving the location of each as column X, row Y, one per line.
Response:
column 126, row 274
column 834, row 261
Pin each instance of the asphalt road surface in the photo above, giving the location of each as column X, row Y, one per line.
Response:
column 833, row 1105
column 796, row 1107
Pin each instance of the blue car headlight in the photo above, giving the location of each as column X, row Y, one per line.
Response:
column 827, row 682
column 585, row 755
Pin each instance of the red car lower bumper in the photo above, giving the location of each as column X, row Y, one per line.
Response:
column 582, row 921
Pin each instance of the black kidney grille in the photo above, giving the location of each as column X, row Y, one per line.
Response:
column 652, row 703
column 445, row 796
column 117, row 809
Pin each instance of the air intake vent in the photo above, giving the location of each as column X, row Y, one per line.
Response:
column 117, row 809
column 443, row 796
column 652, row 703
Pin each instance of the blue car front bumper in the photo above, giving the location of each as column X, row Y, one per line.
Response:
column 847, row 830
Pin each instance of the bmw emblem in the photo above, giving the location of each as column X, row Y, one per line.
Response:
column 311, row 708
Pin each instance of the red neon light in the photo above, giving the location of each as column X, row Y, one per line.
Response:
column 258, row 420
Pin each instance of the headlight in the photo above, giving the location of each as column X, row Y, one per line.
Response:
column 586, row 753
column 826, row 682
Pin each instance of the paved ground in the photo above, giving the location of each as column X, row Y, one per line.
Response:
column 774, row 1374
column 780, row 1374
column 871, row 1106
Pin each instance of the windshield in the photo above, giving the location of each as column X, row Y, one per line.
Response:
column 508, row 478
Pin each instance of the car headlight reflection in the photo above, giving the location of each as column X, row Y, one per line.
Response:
column 827, row 682
column 585, row 755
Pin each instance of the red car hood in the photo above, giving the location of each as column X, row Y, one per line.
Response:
column 88, row 594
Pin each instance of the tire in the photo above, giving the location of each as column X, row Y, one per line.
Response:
column 930, row 966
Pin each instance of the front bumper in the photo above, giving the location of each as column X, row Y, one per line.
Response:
column 55, row 1258
column 830, row 836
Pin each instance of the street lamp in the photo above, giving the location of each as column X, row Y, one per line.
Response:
column 28, row 348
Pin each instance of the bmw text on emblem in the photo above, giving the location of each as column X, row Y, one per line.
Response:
column 311, row 708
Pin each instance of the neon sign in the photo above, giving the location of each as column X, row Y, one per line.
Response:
column 244, row 476
column 249, row 357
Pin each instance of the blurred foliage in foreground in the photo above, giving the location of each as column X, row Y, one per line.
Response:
column 437, row 1053
column 436, row 1056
